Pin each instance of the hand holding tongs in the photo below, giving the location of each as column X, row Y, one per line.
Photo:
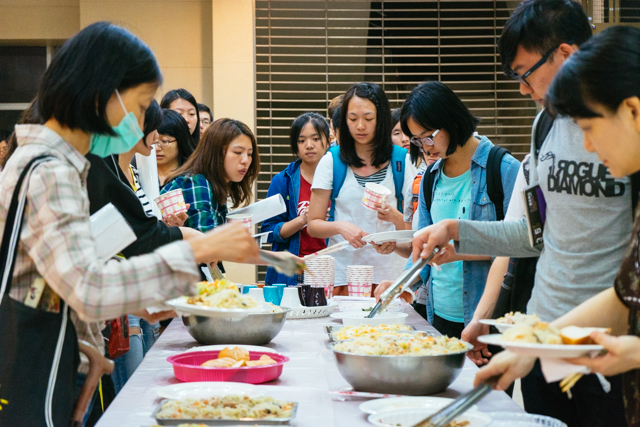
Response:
column 444, row 416
column 398, row 286
column 287, row 265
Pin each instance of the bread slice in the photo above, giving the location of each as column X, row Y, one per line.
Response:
column 575, row 335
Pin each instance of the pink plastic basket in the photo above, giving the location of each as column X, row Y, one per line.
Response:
column 186, row 367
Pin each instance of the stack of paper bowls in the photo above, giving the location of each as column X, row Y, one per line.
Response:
column 321, row 272
column 360, row 280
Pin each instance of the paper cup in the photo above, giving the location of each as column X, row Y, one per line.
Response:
column 359, row 289
column 374, row 193
column 246, row 220
column 171, row 203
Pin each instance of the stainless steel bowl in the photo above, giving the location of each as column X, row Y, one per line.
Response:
column 410, row 375
column 254, row 329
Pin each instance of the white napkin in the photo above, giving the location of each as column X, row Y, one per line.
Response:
column 557, row 369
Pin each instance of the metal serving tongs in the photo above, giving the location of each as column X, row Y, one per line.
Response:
column 463, row 402
column 285, row 265
column 398, row 286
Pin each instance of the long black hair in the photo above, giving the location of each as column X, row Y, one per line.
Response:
column 382, row 144
column 174, row 124
column 605, row 71
column 432, row 105
column 152, row 120
column 172, row 95
column 319, row 124
column 86, row 72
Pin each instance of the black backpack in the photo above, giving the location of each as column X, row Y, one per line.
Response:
column 494, row 181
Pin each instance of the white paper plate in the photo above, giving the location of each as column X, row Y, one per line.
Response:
column 223, row 346
column 397, row 403
column 181, row 306
column 206, row 389
column 502, row 327
column 410, row 417
column 403, row 236
column 559, row 351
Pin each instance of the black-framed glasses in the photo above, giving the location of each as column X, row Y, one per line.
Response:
column 425, row 140
column 545, row 57
column 165, row 142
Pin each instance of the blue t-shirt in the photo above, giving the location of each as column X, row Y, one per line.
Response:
column 451, row 200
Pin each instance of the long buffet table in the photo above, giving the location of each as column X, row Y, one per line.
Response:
column 306, row 379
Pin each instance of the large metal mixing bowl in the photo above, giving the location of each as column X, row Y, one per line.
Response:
column 410, row 375
column 254, row 329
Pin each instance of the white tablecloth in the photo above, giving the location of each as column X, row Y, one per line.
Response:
column 306, row 379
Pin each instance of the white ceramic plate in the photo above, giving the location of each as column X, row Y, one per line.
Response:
column 206, row 389
column 559, row 351
column 358, row 318
column 410, row 417
column 502, row 327
column 223, row 346
column 397, row 403
column 404, row 236
column 181, row 306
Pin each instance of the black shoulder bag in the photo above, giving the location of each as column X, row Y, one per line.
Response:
column 39, row 357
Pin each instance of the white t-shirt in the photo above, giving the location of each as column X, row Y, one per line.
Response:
column 349, row 208
column 516, row 211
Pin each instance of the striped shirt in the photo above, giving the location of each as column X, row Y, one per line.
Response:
column 146, row 205
column 376, row 178
column 56, row 242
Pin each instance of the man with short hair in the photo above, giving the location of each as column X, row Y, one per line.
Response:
column 588, row 217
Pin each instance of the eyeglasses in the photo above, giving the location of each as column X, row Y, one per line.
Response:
column 545, row 57
column 426, row 140
column 165, row 142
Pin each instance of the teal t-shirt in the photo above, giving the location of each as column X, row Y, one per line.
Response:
column 451, row 200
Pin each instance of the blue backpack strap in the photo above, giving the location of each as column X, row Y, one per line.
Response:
column 339, row 175
column 398, row 157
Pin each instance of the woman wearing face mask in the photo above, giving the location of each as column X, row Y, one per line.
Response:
column 225, row 165
column 366, row 153
column 599, row 87
column 92, row 98
column 309, row 140
column 182, row 102
column 174, row 145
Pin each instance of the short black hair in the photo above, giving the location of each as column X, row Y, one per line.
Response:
column 319, row 124
column 175, row 125
column 395, row 117
column 335, row 119
column 605, row 71
column 539, row 25
column 86, row 72
column 152, row 119
column 382, row 144
column 202, row 107
column 174, row 94
column 432, row 105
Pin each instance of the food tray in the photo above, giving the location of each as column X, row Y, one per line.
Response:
column 331, row 329
column 224, row 422
column 414, row 332
column 311, row 312
column 186, row 367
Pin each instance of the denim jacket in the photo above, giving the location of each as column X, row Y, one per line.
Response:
column 286, row 183
column 474, row 273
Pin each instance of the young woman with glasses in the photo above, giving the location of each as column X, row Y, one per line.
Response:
column 439, row 124
column 173, row 146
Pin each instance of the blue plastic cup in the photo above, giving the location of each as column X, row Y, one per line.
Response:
column 245, row 288
column 280, row 287
column 271, row 295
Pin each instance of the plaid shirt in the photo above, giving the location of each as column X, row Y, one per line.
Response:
column 204, row 211
column 56, row 243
